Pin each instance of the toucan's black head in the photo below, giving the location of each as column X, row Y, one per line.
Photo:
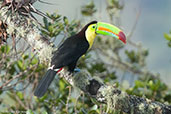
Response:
column 92, row 22
column 86, row 26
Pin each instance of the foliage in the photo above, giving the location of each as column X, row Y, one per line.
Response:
column 89, row 9
column 114, row 4
column 153, row 89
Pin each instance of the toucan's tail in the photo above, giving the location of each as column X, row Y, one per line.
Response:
column 45, row 83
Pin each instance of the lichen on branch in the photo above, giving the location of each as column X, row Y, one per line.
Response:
column 114, row 98
column 26, row 28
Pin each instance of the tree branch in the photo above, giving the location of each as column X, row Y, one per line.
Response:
column 113, row 97
column 28, row 29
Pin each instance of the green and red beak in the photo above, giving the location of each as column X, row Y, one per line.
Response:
column 110, row 30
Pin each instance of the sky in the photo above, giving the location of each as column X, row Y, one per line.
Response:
column 154, row 21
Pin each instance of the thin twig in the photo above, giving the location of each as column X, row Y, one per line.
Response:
column 133, row 30
column 20, row 102
column 15, row 77
column 68, row 98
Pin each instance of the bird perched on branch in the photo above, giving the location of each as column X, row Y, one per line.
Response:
column 73, row 48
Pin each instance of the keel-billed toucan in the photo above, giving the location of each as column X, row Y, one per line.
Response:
column 73, row 48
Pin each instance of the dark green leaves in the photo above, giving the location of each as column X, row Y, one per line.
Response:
column 53, row 27
column 152, row 89
column 137, row 57
column 4, row 49
column 57, row 24
column 89, row 9
column 132, row 56
column 114, row 4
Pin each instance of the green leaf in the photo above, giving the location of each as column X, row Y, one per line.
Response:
column 95, row 107
column 139, row 83
column 168, row 96
column 20, row 64
column 45, row 22
column 169, row 43
column 20, row 95
column 167, row 36
column 34, row 61
column 92, row 112
column 50, row 28
column 5, row 49
column 145, row 52
column 154, row 86
column 65, row 19
column 12, row 69
column 29, row 112
column 61, row 85
column 44, row 112
column 25, row 57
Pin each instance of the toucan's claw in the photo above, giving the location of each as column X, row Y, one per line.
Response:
column 76, row 70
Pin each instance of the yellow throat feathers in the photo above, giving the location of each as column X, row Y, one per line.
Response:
column 90, row 36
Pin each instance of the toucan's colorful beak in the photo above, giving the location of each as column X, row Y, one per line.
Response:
column 110, row 30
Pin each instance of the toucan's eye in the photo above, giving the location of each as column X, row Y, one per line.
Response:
column 93, row 27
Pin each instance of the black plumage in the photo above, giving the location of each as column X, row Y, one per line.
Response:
column 69, row 52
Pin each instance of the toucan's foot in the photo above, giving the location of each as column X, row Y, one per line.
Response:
column 76, row 70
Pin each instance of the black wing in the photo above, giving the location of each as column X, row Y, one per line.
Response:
column 70, row 51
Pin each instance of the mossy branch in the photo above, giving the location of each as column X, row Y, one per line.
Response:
column 112, row 96
column 26, row 28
